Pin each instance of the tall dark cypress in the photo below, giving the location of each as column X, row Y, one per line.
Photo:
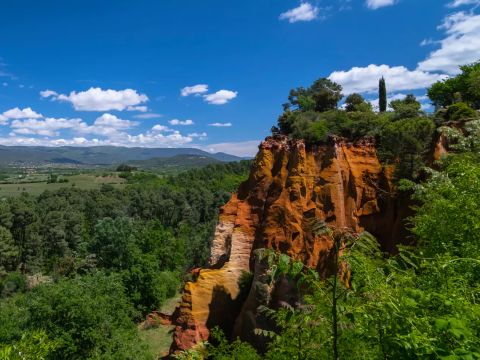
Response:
column 382, row 95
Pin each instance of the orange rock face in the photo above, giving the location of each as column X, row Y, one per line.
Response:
column 289, row 185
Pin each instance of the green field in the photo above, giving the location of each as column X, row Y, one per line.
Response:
column 80, row 181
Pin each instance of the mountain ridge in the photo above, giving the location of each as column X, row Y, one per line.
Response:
column 98, row 155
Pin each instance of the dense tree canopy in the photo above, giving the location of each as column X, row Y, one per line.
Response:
column 462, row 88
column 103, row 259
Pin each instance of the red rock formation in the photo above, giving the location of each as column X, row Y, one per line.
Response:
column 289, row 185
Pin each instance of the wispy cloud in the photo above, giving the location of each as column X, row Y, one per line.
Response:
column 377, row 4
column 218, row 124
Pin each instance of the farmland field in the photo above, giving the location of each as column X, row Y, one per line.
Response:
column 81, row 181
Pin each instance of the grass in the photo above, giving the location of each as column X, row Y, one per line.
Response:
column 159, row 339
column 81, row 181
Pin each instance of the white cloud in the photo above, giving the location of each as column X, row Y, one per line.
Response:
column 242, row 148
column 48, row 93
column 194, row 90
column 458, row 3
column 180, row 122
column 142, row 108
column 201, row 136
column 142, row 140
column 160, row 128
column 96, row 99
column 217, row 124
column 111, row 121
column 107, row 125
column 3, row 120
column 376, row 4
column 460, row 46
column 398, row 78
column 148, row 116
column 26, row 113
column 48, row 127
column 220, row 97
column 304, row 12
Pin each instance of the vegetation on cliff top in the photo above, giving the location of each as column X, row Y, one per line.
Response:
column 403, row 134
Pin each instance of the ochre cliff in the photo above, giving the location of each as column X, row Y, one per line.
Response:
column 290, row 184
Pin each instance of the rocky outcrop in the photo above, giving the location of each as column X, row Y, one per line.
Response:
column 290, row 185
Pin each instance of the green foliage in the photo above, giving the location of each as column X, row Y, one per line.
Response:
column 405, row 142
column 85, row 316
column 407, row 108
column 8, row 251
column 465, row 87
column 382, row 95
column 126, row 168
column 305, row 127
column 114, row 255
column 356, row 102
column 322, row 95
column 33, row 346
column 460, row 111
column 225, row 350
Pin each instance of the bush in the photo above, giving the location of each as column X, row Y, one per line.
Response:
column 460, row 111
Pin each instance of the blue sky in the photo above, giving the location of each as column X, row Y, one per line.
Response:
column 210, row 74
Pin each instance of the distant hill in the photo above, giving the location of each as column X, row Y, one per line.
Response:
column 96, row 155
column 175, row 163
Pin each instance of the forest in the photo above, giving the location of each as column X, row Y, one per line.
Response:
column 80, row 268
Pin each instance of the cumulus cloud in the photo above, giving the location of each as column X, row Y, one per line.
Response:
column 26, row 113
column 142, row 140
column 160, row 128
column 460, row 46
column 458, row 3
column 220, row 97
column 194, row 90
column 304, row 12
column 365, row 79
column 201, row 135
column 376, row 4
column 181, row 122
column 97, row 99
column 48, row 127
column 218, row 124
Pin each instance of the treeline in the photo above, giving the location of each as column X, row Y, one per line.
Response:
column 78, row 268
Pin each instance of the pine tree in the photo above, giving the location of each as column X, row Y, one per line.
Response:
column 382, row 95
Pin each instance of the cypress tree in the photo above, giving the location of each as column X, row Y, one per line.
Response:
column 382, row 95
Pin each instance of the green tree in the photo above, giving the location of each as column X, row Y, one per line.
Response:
column 406, row 108
column 464, row 87
column 356, row 102
column 9, row 252
column 382, row 95
column 322, row 95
